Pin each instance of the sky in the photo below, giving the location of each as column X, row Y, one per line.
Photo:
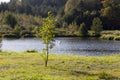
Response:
column 4, row 1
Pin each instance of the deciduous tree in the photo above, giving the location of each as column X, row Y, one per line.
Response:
column 46, row 33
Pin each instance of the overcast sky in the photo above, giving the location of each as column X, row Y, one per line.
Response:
column 4, row 1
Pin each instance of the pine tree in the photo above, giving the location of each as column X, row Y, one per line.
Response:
column 97, row 26
column 83, row 31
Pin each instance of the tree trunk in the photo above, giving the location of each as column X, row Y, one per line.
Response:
column 47, row 54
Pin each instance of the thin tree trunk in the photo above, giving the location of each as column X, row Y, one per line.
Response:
column 47, row 54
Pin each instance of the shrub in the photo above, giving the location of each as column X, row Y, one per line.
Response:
column 24, row 32
column 32, row 51
column 27, row 36
column 11, row 35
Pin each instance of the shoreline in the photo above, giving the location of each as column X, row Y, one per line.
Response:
column 105, row 35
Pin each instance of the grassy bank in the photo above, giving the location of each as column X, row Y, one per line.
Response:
column 111, row 35
column 61, row 32
column 30, row 66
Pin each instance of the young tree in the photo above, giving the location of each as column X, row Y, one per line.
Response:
column 97, row 26
column 83, row 31
column 46, row 33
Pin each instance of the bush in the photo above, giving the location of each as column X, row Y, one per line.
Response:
column 26, row 33
column 11, row 36
column 32, row 51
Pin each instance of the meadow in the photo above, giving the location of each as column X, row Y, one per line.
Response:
column 30, row 66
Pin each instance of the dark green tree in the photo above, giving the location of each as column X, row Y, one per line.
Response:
column 97, row 26
column 83, row 31
column 110, row 14
column 10, row 20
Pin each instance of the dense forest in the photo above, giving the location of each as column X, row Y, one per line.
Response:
column 33, row 7
column 69, row 14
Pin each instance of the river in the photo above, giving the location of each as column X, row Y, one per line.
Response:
column 65, row 45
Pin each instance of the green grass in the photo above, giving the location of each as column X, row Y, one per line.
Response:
column 111, row 35
column 30, row 66
column 117, row 38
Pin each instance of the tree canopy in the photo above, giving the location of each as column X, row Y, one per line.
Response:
column 69, row 11
column 46, row 33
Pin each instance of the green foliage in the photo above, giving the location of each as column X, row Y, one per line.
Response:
column 32, row 51
column 33, row 7
column 110, row 35
column 67, row 11
column 107, row 37
column 10, row 20
column 83, row 31
column 107, row 12
column 117, row 38
column 11, row 35
column 88, row 4
column 46, row 33
column 97, row 26
column 70, row 5
column 70, row 16
column 111, row 11
column 47, row 29
column 72, row 28
column 17, row 30
column 30, row 13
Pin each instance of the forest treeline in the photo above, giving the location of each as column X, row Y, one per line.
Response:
column 33, row 7
column 69, row 14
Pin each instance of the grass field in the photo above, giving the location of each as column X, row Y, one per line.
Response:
column 30, row 66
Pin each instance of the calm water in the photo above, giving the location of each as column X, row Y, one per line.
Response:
column 77, row 46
